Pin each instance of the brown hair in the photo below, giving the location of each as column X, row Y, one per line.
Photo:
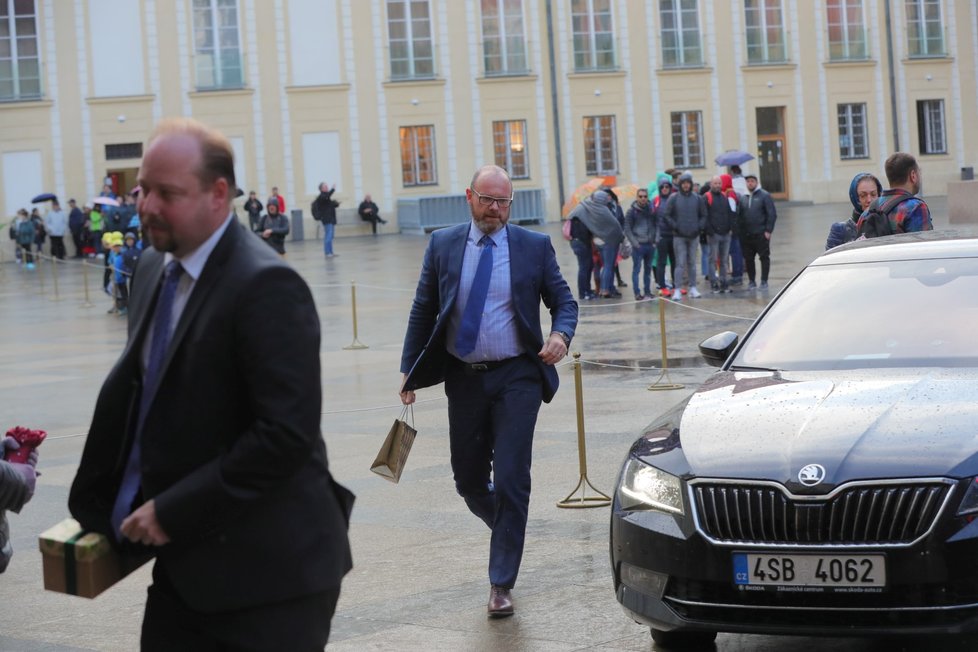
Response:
column 898, row 168
column 216, row 154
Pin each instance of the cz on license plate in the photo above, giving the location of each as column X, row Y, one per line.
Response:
column 845, row 573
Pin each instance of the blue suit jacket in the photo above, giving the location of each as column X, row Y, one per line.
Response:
column 534, row 275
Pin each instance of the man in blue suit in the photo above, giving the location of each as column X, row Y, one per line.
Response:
column 475, row 324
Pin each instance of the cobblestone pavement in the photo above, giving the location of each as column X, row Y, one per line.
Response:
column 419, row 581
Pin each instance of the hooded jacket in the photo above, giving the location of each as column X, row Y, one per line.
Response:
column 756, row 213
column 640, row 224
column 685, row 212
column 843, row 232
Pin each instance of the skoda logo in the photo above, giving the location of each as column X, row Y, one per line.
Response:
column 811, row 474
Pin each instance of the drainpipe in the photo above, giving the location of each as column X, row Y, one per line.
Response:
column 889, row 61
column 553, row 102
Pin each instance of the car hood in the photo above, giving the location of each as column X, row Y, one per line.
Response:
column 865, row 424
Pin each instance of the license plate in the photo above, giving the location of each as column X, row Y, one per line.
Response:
column 819, row 572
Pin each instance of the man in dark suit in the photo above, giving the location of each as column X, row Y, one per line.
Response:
column 475, row 323
column 205, row 445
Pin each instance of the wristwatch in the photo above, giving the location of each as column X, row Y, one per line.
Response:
column 564, row 337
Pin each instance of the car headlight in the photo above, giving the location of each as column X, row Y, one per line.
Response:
column 969, row 504
column 646, row 487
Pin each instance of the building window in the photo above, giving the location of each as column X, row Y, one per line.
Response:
column 217, row 50
column 853, row 140
column 925, row 29
column 594, row 40
column 509, row 145
column 411, row 47
column 930, row 127
column 687, row 139
column 600, row 148
column 20, row 67
column 503, row 42
column 765, row 31
column 123, row 151
column 681, row 44
column 847, row 30
column 418, row 156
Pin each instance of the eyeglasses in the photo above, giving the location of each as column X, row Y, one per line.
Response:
column 486, row 200
column 643, row 196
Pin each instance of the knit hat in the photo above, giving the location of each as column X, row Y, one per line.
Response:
column 129, row 234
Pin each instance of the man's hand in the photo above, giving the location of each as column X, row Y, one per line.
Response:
column 553, row 350
column 142, row 527
column 266, row 233
column 407, row 398
column 767, row 235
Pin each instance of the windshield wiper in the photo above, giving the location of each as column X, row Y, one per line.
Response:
column 743, row 368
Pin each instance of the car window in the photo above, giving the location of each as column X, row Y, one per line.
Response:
column 921, row 313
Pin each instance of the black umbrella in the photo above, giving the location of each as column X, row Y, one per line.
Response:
column 44, row 196
column 238, row 192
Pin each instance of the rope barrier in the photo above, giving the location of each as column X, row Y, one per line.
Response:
column 384, row 407
column 681, row 304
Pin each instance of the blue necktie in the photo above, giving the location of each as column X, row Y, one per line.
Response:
column 157, row 352
column 468, row 329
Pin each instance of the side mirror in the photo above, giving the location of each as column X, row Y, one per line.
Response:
column 715, row 350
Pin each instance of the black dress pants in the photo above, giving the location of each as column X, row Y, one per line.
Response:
column 756, row 245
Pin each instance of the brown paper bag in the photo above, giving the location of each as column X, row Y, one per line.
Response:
column 393, row 455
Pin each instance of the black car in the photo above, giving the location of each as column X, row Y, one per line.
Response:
column 825, row 479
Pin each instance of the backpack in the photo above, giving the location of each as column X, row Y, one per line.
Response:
column 876, row 222
column 565, row 228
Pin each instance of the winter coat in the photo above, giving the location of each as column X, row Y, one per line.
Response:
column 756, row 213
column 640, row 224
column 685, row 213
column 279, row 224
column 323, row 207
column 14, row 492
column 720, row 217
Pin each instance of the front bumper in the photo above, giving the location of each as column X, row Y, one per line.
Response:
column 677, row 579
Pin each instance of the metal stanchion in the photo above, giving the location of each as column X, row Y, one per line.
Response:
column 355, row 344
column 88, row 301
column 583, row 500
column 40, row 270
column 658, row 384
column 54, row 277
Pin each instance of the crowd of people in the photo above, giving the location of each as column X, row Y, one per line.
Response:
column 674, row 222
column 726, row 224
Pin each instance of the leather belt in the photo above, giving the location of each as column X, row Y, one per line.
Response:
column 472, row 368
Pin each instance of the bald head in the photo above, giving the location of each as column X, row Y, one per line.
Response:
column 716, row 184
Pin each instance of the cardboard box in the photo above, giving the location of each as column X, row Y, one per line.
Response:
column 82, row 563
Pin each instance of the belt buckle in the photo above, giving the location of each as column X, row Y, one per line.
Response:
column 479, row 366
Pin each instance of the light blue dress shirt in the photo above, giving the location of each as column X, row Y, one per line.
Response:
column 498, row 337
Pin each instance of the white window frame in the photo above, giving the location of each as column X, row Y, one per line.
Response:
column 418, row 67
column 854, row 36
column 509, row 144
column 216, row 53
column 512, row 60
column 590, row 53
column 932, row 127
column 917, row 23
column 678, row 58
column 687, row 143
column 853, row 131
column 17, row 82
column 758, row 9
column 412, row 167
column 600, row 159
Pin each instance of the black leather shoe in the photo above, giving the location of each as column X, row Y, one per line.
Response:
column 500, row 602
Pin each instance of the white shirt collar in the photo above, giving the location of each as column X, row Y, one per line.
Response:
column 193, row 263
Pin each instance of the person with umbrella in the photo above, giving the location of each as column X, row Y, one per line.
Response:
column 595, row 214
column 56, row 224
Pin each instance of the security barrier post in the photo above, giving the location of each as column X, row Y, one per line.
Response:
column 583, row 500
column 355, row 344
column 658, row 384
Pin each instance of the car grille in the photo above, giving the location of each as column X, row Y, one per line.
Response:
column 858, row 514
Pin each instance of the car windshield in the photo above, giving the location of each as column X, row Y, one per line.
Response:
column 915, row 313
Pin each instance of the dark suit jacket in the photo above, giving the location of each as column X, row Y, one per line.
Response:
column 231, row 447
column 534, row 275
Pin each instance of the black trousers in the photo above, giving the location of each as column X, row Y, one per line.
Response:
column 301, row 624
column 756, row 245
column 58, row 246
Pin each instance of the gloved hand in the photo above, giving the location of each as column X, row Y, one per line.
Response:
column 26, row 471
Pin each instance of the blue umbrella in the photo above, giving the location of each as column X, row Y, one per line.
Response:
column 44, row 196
column 734, row 157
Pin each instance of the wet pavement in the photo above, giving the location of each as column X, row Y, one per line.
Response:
column 419, row 581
